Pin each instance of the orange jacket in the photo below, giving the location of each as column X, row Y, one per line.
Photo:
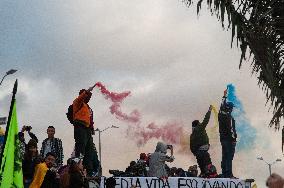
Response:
column 81, row 111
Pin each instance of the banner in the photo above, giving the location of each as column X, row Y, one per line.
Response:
column 11, row 164
column 177, row 182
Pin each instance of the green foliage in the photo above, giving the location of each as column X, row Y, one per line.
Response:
column 258, row 28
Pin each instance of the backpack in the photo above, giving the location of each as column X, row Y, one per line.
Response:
column 69, row 114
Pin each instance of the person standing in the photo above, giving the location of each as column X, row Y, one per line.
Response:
column 84, row 128
column 54, row 145
column 199, row 142
column 228, row 136
column 158, row 159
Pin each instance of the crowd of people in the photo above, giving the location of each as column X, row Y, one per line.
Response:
column 44, row 168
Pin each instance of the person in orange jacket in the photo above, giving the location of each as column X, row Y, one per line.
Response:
column 83, row 127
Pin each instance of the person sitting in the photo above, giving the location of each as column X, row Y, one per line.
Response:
column 77, row 174
column 172, row 172
column 157, row 163
column 211, row 171
column 45, row 175
column 130, row 170
column 31, row 159
column 181, row 173
column 192, row 171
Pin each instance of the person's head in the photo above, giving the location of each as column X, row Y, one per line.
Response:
column 50, row 159
column 195, row 123
column 50, row 131
column 32, row 147
column 143, row 156
column 193, row 171
column 161, row 147
column 87, row 99
column 179, row 172
column 76, row 165
column 110, row 182
column 132, row 163
column 173, row 171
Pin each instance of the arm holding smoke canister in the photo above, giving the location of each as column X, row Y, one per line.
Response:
column 205, row 121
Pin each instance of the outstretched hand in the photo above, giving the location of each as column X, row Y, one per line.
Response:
column 210, row 108
column 92, row 87
column 225, row 93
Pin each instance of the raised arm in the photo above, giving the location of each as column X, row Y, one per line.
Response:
column 206, row 118
column 33, row 136
column 78, row 102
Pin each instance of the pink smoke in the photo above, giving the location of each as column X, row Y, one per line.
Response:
column 133, row 117
column 117, row 99
column 171, row 133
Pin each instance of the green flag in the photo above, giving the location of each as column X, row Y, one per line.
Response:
column 11, row 175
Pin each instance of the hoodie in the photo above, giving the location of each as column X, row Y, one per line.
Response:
column 157, row 166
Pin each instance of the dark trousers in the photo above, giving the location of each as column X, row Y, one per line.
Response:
column 228, row 151
column 203, row 159
column 84, row 145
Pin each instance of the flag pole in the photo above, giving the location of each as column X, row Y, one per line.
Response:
column 9, row 118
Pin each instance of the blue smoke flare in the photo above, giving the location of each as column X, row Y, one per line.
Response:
column 246, row 132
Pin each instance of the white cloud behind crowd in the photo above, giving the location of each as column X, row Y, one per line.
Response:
column 175, row 64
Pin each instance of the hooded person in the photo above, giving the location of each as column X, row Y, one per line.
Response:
column 158, row 159
column 199, row 142
column 228, row 136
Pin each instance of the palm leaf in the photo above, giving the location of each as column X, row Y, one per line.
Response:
column 258, row 28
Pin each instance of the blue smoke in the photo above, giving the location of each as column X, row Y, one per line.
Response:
column 246, row 132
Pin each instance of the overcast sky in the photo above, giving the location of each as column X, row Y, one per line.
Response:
column 174, row 63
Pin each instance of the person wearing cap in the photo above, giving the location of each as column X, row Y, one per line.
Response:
column 228, row 136
column 77, row 174
column 199, row 142
column 84, row 127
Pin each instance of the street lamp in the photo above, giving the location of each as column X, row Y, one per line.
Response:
column 12, row 71
column 100, row 145
column 269, row 164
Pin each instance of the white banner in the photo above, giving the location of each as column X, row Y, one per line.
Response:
column 177, row 182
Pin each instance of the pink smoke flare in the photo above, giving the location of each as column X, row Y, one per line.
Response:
column 117, row 99
column 170, row 133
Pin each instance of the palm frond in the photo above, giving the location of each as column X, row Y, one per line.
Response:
column 258, row 28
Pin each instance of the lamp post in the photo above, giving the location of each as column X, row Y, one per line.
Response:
column 100, row 145
column 269, row 164
column 11, row 71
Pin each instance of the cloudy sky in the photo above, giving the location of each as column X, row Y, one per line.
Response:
column 174, row 62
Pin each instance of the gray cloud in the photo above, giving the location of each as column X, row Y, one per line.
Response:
column 174, row 64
